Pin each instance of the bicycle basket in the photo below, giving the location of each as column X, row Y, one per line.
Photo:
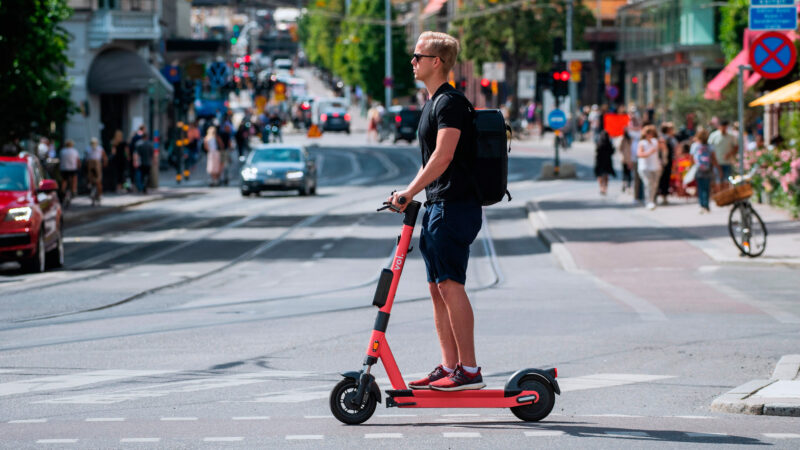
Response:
column 738, row 192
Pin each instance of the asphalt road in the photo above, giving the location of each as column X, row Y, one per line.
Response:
column 221, row 321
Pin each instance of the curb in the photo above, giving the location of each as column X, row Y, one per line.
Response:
column 549, row 237
column 744, row 399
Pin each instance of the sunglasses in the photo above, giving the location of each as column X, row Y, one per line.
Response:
column 418, row 56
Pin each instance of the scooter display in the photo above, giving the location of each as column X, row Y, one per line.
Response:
column 529, row 393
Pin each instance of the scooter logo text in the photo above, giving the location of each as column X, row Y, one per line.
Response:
column 375, row 346
column 398, row 262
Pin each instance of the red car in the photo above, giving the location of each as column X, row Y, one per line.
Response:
column 30, row 215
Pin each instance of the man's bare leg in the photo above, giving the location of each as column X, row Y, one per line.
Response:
column 462, row 322
column 441, row 318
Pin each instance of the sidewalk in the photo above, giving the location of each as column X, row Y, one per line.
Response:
column 609, row 236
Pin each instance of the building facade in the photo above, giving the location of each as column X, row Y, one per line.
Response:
column 116, row 52
column 668, row 46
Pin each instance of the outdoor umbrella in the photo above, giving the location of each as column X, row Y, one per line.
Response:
column 786, row 94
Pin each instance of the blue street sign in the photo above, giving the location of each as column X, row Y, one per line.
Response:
column 612, row 92
column 772, row 2
column 217, row 73
column 773, row 18
column 557, row 119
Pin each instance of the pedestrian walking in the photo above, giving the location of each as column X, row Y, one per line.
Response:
column 705, row 162
column 669, row 145
column 212, row 144
column 143, row 162
column 603, row 166
column 725, row 145
column 372, row 124
column 649, row 164
column 453, row 212
column 625, row 150
column 96, row 161
column 120, row 157
column 70, row 165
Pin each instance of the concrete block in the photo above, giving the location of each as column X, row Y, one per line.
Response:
column 566, row 170
column 788, row 368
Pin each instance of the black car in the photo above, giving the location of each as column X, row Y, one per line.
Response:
column 278, row 167
column 400, row 122
column 335, row 119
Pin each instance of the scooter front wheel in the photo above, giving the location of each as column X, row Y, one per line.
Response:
column 539, row 410
column 343, row 408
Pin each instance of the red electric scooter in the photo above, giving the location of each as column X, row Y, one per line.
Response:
column 530, row 393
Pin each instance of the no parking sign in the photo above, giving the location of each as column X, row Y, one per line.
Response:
column 773, row 55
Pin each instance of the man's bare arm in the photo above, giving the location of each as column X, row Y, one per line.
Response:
column 446, row 142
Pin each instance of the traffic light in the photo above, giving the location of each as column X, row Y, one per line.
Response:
column 560, row 80
column 462, row 84
column 486, row 87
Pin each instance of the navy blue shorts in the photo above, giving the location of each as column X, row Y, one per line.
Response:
column 448, row 229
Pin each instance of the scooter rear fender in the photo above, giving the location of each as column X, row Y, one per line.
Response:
column 373, row 388
column 546, row 376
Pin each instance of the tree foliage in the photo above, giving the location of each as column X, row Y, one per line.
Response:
column 734, row 20
column 34, row 89
column 352, row 46
column 519, row 36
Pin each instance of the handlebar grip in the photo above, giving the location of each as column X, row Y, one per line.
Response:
column 401, row 200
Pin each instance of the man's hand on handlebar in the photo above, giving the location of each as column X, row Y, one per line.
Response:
column 399, row 200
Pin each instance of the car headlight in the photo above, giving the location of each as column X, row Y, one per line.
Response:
column 294, row 175
column 22, row 214
column 249, row 173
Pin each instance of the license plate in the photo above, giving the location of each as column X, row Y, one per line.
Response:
column 272, row 181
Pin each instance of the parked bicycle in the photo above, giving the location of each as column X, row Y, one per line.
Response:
column 744, row 224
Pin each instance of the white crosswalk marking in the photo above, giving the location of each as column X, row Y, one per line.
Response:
column 383, row 436
column 56, row 441
column 782, row 435
column 163, row 389
column 28, row 421
column 603, row 380
column 224, row 439
column 62, row 382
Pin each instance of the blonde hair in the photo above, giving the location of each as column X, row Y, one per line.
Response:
column 443, row 45
column 69, row 143
column 701, row 135
column 650, row 129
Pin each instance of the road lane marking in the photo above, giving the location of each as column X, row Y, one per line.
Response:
column 327, row 246
column 28, row 421
column 134, row 440
column 544, row 433
column 706, row 435
column 626, row 433
column 178, row 419
column 61, row 382
column 782, row 435
column 251, row 418
column 383, row 436
column 603, row 380
column 105, row 419
column 56, row 441
column 188, row 386
column 461, row 434
column 224, row 439
column 300, row 437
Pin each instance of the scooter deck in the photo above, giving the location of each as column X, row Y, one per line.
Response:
column 484, row 398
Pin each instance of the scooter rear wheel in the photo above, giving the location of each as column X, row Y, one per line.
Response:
column 343, row 410
column 539, row 410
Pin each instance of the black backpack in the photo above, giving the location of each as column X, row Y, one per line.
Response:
column 490, row 174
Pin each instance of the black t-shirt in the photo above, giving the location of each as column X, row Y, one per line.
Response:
column 452, row 111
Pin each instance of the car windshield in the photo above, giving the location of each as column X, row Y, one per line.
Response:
column 13, row 177
column 276, row 155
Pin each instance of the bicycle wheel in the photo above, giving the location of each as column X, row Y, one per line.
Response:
column 747, row 230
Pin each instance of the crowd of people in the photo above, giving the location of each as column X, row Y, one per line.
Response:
column 663, row 161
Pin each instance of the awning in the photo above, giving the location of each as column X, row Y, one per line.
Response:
column 715, row 86
column 120, row 71
column 786, row 94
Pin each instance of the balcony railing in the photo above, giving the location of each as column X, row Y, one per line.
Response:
column 108, row 25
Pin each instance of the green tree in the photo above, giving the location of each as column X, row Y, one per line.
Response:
column 34, row 89
column 519, row 34
column 318, row 30
column 733, row 22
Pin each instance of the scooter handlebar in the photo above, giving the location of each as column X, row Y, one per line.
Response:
column 387, row 205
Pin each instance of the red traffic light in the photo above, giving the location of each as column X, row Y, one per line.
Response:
column 236, row 65
column 485, row 82
column 247, row 59
column 564, row 76
column 557, row 76
column 635, row 80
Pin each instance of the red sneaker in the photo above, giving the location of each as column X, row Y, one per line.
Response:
column 459, row 380
column 437, row 374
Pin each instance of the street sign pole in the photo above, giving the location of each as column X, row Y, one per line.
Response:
column 388, row 51
column 742, row 69
column 573, row 88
